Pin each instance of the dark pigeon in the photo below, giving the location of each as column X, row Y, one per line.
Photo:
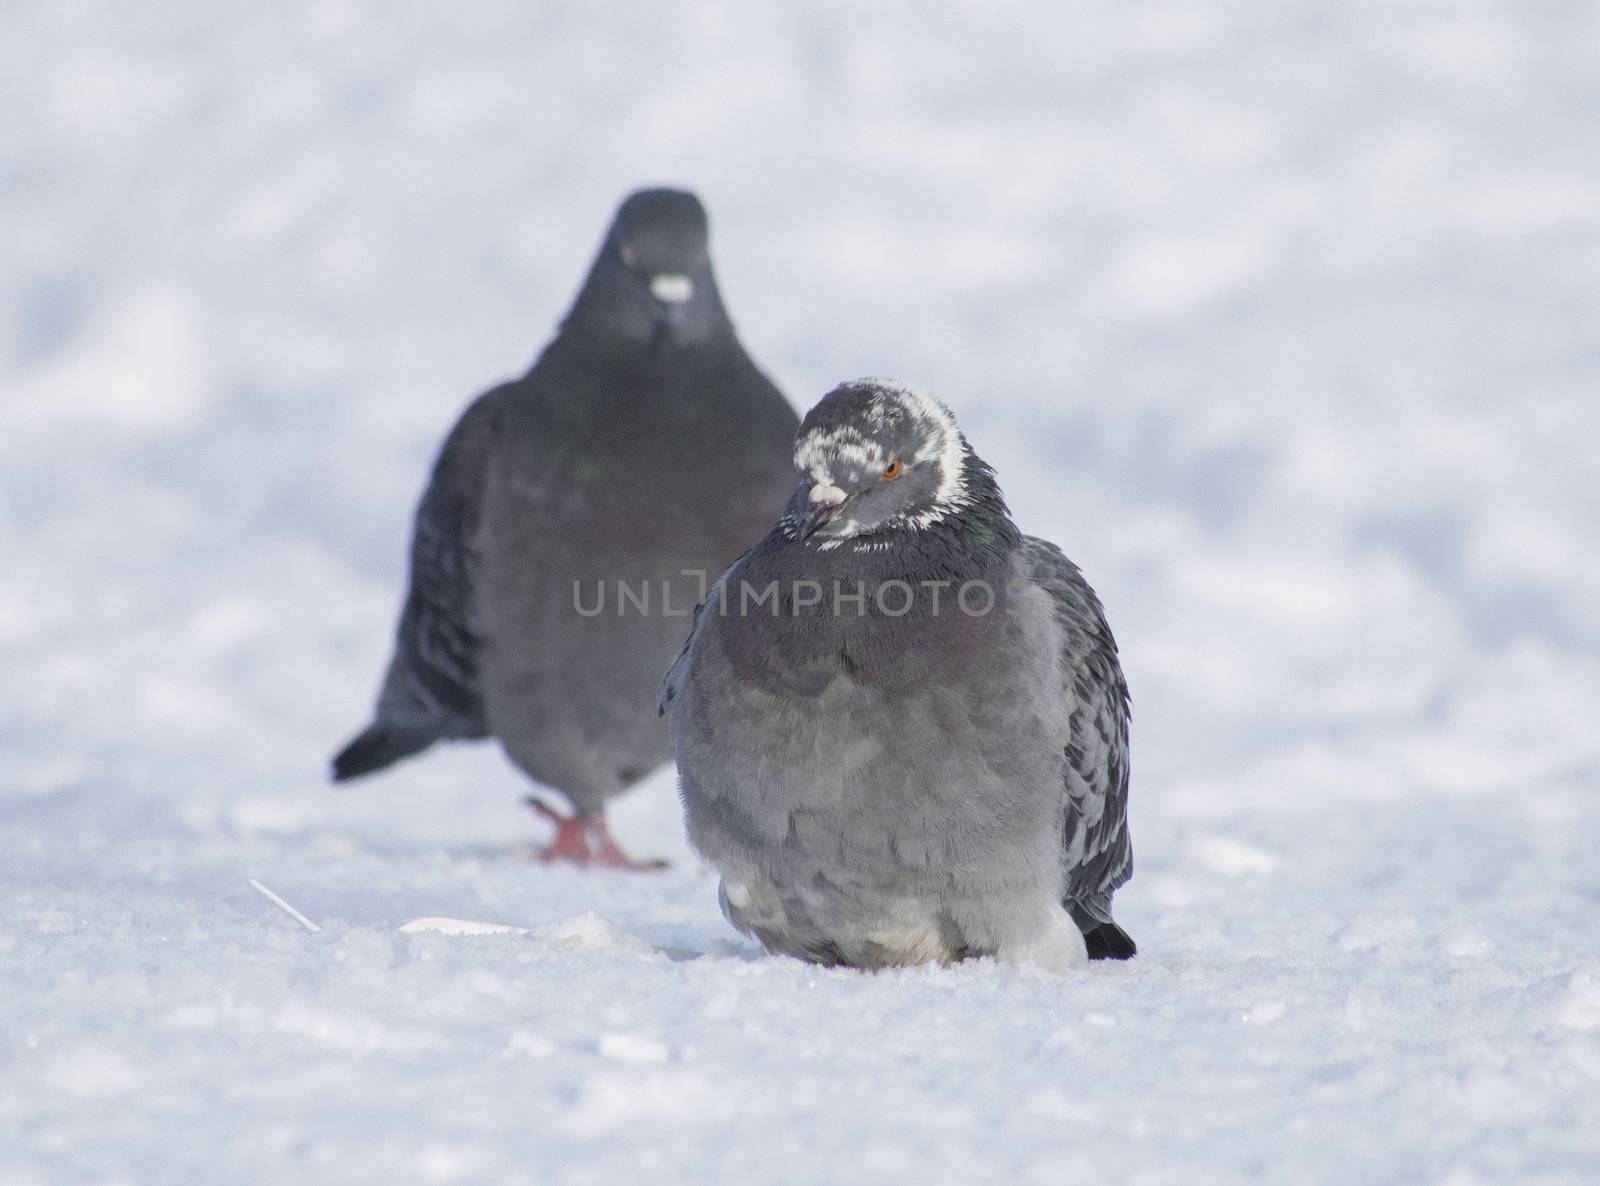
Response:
column 574, row 517
column 901, row 725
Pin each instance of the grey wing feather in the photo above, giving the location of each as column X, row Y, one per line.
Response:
column 672, row 681
column 1099, row 854
column 432, row 682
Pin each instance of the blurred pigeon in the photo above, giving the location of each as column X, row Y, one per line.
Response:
column 573, row 519
column 901, row 725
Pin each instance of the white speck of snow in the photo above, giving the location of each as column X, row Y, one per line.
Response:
column 1468, row 945
column 618, row 1101
column 345, row 1027
column 589, row 932
column 265, row 813
column 631, row 1048
column 1228, row 856
column 527, row 1044
column 1265, row 1012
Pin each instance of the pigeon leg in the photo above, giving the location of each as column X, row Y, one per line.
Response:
column 609, row 853
column 571, row 842
column 585, row 842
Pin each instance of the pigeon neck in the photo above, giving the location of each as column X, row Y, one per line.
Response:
column 970, row 540
column 975, row 544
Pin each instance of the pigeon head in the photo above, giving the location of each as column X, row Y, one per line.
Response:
column 879, row 457
column 652, row 280
column 662, row 237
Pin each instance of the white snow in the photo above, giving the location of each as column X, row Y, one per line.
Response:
column 1280, row 319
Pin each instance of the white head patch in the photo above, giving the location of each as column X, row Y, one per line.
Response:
column 671, row 288
column 816, row 449
column 944, row 448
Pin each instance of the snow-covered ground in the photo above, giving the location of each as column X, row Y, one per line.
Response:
column 1282, row 319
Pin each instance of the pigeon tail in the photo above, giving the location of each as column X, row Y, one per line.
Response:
column 1108, row 941
column 377, row 746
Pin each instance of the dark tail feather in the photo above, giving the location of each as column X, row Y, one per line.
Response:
column 1108, row 941
column 379, row 745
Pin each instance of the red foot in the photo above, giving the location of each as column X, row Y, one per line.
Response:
column 586, row 842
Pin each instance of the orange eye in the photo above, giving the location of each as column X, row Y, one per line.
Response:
column 893, row 469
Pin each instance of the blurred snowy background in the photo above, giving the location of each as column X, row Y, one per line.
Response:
column 1284, row 320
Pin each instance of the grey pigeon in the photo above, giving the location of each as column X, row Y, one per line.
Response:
column 573, row 519
column 901, row 725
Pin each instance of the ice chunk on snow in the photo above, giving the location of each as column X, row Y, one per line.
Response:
column 589, row 932
column 459, row 926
